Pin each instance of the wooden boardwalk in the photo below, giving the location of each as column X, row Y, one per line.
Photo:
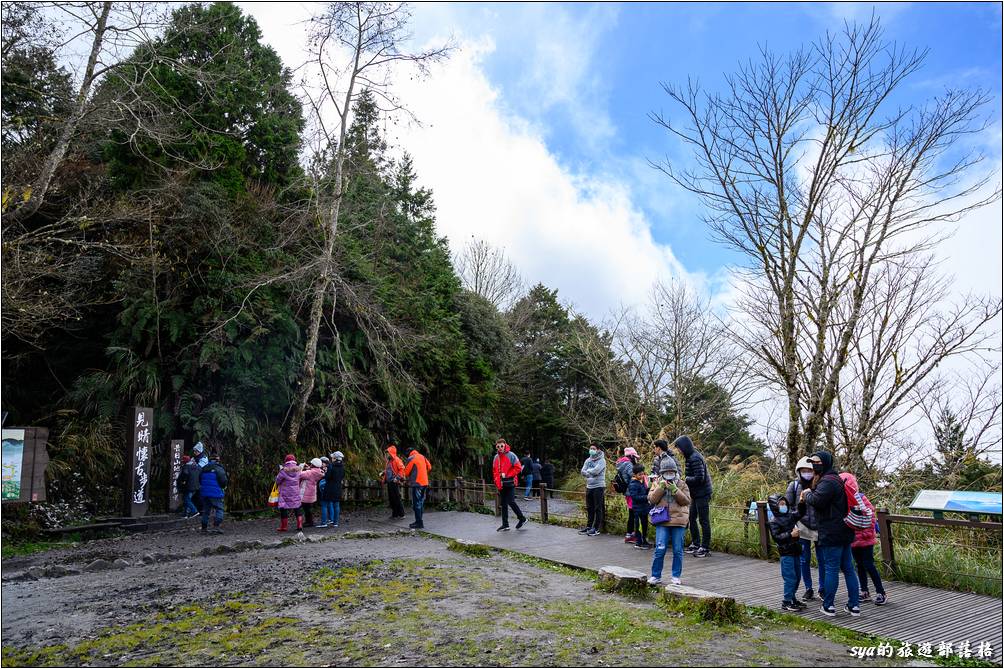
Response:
column 914, row 614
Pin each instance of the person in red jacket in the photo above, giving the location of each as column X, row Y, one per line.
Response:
column 506, row 468
column 416, row 473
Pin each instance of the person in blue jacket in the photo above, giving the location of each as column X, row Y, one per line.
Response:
column 212, row 482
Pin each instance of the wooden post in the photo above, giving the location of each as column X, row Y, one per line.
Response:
column 885, row 536
column 459, row 495
column 761, row 518
column 543, row 502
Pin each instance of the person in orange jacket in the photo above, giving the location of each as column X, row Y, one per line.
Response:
column 506, row 468
column 393, row 476
column 416, row 472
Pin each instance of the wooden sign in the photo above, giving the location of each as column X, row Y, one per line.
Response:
column 173, row 496
column 137, row 499
column 24, row 461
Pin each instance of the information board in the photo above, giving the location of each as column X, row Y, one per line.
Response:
column 962, row 501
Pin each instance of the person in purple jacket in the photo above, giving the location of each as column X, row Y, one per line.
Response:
column 288, row 481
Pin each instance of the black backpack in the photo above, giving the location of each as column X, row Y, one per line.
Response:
column 620, row 485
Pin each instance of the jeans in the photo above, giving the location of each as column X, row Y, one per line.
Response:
column 594, row 508
column 806, row 564
column 864, row 558
column 838, row 559
column 212, row 506
column 664, row 537
column 330, row 511
column 394, row 497
column 508, row 500
column 188, row 505
column 789, row 573
column 529, row 486
column 418, row 503
column 700, row 522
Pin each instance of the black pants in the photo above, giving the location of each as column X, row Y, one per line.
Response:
column 284, row 513
column 308, row 511
column 700, row 514
column 864, row 559
column 632, row 521
column 594, row 508
column 641, row 521
column 508, row 499
column 394, row 496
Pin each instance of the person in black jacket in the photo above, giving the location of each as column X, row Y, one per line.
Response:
column 538, row 474
column 547, row 476
column 829, row 501
column 526, row 462
column 331, row 496
column 699, row 481
column 783, row 529
column 188, row 486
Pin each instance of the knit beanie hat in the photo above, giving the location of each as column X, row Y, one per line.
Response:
column 316, row 462
column 290, row 458
column 337, row 455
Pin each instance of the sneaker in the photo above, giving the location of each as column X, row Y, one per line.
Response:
column 413, row 526
column 205, row 530
column 880, row 599
column 503, row 528
column 864, row 596
column 521, row 523
column 592, row 532
column 643, row 547
column 789, row 606
column 808, row 595
column 702, row 552
column 691, row 548
column 801, row 605
column 192, row 515
column 675, row 580
column 629, row 538
column 828, row 611
column 585, row 530
column 322, row 525
column 853, row 610
column 652, row 580
column 217, row 530
column 334, row 524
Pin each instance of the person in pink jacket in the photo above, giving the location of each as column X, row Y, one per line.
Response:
column 308, row 489
column 288, row 480
column 863, row 546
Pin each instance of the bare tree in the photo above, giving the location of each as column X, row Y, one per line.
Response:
column 486, row 271
column 807, row 174
column 353, row 47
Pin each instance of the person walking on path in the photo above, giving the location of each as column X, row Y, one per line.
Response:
column 699, row 482
column 393, row 476
column 835, row 537
column 331, row 495
column 622, row 481
column 638, row 494
column 308, row 494
column 670, row 513
column 416, row 472
column 188, row 486
column 538, row 477
column 526, row 468
column 547, row 476
column 595, row 471
column 506, row 468
column 863, row 546
column 806, row 526
column 288, row 480
column 784, row 530
column 212, row 482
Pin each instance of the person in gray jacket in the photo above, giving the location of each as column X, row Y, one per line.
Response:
column 595, row 471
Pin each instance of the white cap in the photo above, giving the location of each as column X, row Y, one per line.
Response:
column 316, row 462
column 337, row 455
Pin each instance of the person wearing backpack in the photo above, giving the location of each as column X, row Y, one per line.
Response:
column 806, row 527
column 624, row 472
column 829, row 499
column 863, row 546
column 188, row 485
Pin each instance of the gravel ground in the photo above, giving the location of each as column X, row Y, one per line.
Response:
column 400, row 600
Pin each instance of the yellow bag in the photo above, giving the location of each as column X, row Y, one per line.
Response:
column 273, row 497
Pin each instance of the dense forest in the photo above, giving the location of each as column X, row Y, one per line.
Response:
column 167, row 242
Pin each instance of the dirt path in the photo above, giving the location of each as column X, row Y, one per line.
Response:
column 400, row 600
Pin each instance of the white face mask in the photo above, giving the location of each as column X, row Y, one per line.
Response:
column 807, row 476
column 669, row 477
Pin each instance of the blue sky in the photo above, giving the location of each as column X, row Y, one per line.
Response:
column 535, row 134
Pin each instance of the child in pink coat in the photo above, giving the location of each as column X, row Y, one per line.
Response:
column 863, row 546
column 308, row 486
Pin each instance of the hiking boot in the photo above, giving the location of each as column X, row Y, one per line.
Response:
column 864, row 596
column 652, row 580
column 832, row 612
column 853, row 610
column 692, row 548
column 789, row 606
column 808, row 595
column 585, row 530
column 880, row 599
column 702, row 552
column 503, row 528
column 521, row 523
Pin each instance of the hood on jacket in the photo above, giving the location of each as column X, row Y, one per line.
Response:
column 392, row 451
column 198, row 448
column 773, row 502
column 850, row 481
column 685, row 445
column 291, row 468
column 803, row 463
column 827, row 462
column 505, row 448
